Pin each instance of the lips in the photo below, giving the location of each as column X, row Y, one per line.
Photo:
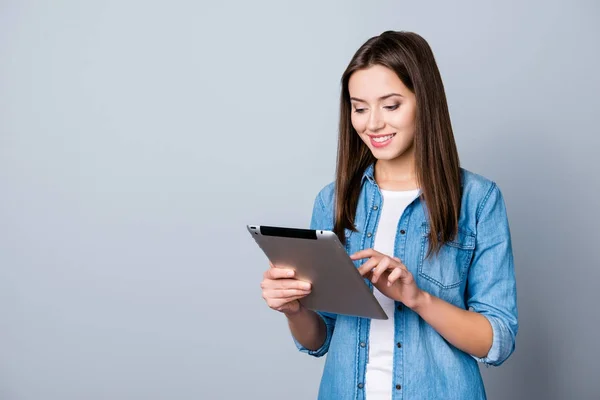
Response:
column 380, row 141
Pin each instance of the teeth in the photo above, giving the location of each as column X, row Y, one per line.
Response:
column 383, row 138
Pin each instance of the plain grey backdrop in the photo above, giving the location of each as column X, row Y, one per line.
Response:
column 137, row 139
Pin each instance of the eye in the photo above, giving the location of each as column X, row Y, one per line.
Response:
column 359, row 110
column 392, row 108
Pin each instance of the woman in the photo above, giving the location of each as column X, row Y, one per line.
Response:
column 431, row 238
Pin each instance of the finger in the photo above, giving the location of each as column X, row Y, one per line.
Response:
column 395, row 275
column 285, row 283
column 363, row 254
column 279, row 273
column 286, row 306
column 275, row 294
column 368, row 275
column 401, row 263
column 383, row 265
column 276, row 304
column 288, row 284
column 368, row 265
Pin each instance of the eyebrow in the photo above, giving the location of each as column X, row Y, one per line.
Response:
column 381, row 98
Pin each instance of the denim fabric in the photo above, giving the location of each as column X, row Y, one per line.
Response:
column 474, row 271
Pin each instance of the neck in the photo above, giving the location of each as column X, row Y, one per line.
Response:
column 397, row 174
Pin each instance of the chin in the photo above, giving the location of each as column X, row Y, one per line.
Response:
column 387, row 155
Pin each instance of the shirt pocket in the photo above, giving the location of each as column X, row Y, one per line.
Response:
column 449, row 267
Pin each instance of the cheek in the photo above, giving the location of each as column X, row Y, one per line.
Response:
column 404, row 121
column 358, row 123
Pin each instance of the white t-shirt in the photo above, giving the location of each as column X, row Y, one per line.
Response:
column 379, row 375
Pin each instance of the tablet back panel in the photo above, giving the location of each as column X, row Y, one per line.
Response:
column 319, row 257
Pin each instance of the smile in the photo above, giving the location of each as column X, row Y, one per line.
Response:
column 381, row 141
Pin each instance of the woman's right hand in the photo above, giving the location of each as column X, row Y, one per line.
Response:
column 282, row 291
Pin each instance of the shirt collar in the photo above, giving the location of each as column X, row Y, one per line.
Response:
column 369, row 173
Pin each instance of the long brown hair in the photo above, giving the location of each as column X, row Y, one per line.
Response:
column 437, row 163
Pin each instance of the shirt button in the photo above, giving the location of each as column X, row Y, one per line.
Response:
column 369, row 234
column 360, row 385
column 399, row 344
column 398, row 387
column 403, row 231
column 362, row 344
column 399, row 307
column 375, row 208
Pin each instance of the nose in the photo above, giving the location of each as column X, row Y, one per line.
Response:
column 375, row 121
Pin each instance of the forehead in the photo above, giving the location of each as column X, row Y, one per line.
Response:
column 371, row 83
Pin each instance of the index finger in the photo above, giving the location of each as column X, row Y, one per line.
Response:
column 279, row 273
column 363, row 254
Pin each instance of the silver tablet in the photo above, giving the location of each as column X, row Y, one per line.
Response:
column 318, row 257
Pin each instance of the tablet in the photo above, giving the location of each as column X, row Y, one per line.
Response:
column 318, row 257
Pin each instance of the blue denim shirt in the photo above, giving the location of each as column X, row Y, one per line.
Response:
column 475, row 271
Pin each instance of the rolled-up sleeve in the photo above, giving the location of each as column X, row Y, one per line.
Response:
column 491, row 288
column 329, row 320
column 322, row 218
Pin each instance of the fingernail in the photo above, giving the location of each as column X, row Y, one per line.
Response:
column 306, row 286
column 290, row 273
column 389, row 283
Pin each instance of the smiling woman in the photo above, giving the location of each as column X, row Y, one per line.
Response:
column 434, row 237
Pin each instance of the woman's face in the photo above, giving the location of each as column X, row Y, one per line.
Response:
column 383, row 112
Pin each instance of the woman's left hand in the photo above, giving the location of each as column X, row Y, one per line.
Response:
column 389, row 276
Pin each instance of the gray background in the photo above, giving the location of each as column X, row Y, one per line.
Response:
column 138, row 138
